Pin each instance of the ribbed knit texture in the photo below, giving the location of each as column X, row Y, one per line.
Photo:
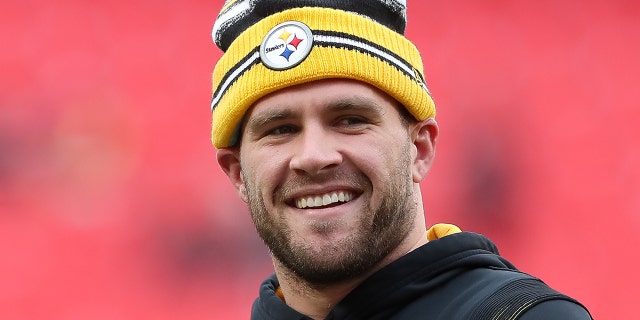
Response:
column 234, row 95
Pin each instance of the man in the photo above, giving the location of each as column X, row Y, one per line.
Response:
column 325, row 126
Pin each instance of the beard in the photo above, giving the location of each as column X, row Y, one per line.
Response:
column 379, row 230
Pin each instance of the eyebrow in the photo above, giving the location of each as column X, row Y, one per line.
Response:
column 356, row 103
column 267, row 117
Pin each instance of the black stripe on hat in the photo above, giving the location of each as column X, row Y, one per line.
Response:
column 351, row 42
column 389, row 13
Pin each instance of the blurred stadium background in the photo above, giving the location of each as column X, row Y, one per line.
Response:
column 112, row 205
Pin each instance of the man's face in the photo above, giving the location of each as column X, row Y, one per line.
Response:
column 326, row 168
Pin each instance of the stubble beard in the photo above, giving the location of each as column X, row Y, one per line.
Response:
column 376, row 236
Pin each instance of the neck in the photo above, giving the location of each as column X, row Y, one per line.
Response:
column 312, row 300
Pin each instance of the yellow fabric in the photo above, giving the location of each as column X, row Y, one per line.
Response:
column 259, row 80
column 280, row 294
column 441, row 230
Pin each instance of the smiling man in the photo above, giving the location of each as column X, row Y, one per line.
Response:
column 325, row 126
column 331, row 176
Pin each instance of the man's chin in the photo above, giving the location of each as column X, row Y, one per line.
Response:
column 328, row 262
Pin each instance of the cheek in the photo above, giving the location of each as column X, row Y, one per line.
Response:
column 376, row 160
column 262, row 169
column 384, row 166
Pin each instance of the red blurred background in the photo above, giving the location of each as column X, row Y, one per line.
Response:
column 112, row 205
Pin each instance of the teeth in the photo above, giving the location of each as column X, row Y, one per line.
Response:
column 326, row 200
column 323, row 200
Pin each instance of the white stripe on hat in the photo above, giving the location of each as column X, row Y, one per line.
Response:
column 235, row 12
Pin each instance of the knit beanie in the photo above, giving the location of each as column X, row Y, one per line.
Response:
column 274, row 44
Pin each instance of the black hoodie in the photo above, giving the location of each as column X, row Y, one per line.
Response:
column 460, row 276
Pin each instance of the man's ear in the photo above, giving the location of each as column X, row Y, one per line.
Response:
column 423, row 136
column 229, row 161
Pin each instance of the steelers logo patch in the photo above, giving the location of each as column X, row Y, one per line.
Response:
column 286, row 45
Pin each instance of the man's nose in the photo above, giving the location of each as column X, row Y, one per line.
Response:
column 315, row 150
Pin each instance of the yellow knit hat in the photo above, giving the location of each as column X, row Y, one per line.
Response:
column 273, row 44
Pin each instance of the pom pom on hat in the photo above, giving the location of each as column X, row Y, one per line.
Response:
column 273, row 44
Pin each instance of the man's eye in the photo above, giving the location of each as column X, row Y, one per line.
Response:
column 350, row 121
column 281, row 130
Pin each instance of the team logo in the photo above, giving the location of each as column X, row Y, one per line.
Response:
column 286, row 45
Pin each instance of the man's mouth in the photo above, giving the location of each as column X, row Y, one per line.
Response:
column 323, row 199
